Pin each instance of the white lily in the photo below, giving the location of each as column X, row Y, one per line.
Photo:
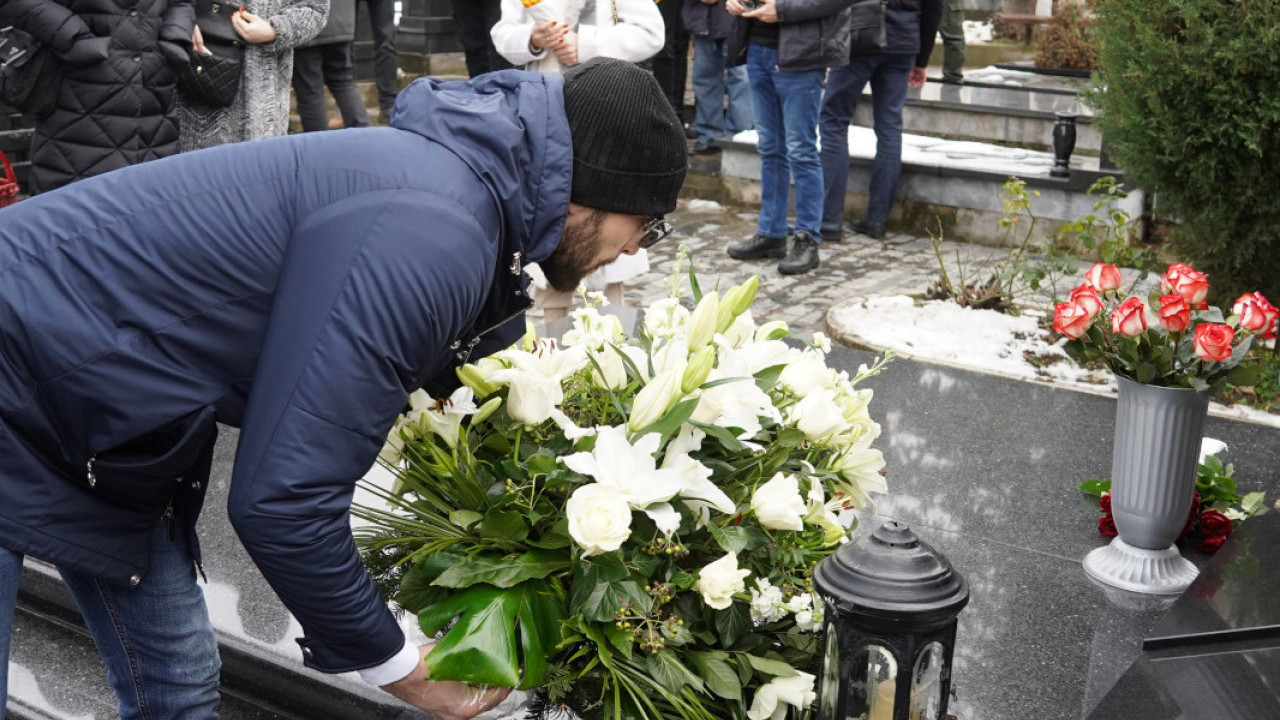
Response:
column 860, row 468
column 534, row 379
column 695, row 478
column 818, row 416
column 654, row 399
column 807, row 372
column 443, row 418
column 633, row 472
column 593, row 330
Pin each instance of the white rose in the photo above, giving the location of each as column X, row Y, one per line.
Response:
column 818, row 416
column 599, row 518
column 807, row 372
column 533, row 398
column 796, row 691
column 778, row 505
column 720, row 580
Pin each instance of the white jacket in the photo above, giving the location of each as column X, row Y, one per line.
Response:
column 638, row 34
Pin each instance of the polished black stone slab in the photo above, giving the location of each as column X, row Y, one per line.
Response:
column 1215, row 655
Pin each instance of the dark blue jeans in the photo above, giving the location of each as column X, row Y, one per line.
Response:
column 155, row 639
column 786, row 114
column 888, row 77
column 711, row 82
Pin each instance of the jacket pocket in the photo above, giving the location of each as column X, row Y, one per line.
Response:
column 144, row 473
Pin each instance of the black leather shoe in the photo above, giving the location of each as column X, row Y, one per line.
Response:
column 831, row 233
column 704, row 148
column 873, row 230
column 758, row 246
column 803, row 256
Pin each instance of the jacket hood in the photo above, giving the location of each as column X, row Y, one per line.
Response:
column 510, row 128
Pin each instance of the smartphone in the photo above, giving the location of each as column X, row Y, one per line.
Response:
column 751, row 4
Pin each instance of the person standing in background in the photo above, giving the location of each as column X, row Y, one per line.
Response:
column 788, row 46
column 471, row 21
column 629, row 30
column 326, row 61
column 911, row 27
column 270, row 30
column 953, row 48
column 386, row 63
column 709, row 23
column 115, row 99
column 671, row 64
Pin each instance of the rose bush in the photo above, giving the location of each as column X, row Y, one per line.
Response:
column 1170, row 339
column 629, row 523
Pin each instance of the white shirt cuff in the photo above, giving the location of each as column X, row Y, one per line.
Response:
column 397, row 668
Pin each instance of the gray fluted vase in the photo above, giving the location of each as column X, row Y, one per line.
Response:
column 1153, row 478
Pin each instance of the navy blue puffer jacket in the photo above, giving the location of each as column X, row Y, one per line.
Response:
column 298, row 288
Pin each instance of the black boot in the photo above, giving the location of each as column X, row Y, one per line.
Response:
column 758, row 246
column 803, row 256
column 873, row 230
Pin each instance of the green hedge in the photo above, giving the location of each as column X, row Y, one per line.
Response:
column 1189, row 94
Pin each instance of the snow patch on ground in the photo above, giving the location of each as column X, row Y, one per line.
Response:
column 704, row 206
column 984, row 340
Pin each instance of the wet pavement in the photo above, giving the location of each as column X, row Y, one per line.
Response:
column 856, row 268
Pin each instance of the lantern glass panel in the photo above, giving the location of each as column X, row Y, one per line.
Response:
column 926, row 684
column 871, row 685
column 830, row 688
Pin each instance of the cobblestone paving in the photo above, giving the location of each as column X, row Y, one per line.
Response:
column 856, row 268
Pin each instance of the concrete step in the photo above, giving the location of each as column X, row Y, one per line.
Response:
column 947, row 186
column 1004, row 107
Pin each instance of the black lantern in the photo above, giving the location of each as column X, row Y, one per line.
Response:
column 890, row 628
column 1064, row 141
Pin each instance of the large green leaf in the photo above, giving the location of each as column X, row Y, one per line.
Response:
column 503, row 571
column 496, row 630
column 732, row 623
column 502, row 525
column 416, row 590
column 670, row 673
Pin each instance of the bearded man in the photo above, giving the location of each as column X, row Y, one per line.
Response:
column 298, row 288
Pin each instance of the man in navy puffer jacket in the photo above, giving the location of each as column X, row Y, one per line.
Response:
column 298, row 288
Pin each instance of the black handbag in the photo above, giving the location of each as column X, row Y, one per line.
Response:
column 866, row 25
column 213, row 77
column 29, row 73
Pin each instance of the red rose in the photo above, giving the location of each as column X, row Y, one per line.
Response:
column 1087, row 299
column 1071, row 320
column 1107, row 527
column 1213, row 341
column 1193, row 286
column 1214, row 523
column 1174, row 313
column 1103, row 277
column 1130, row 318
column 1104, row 502
column 1210, row 545
column 1256, row 314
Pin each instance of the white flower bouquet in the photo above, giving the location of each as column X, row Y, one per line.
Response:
column 630, row 523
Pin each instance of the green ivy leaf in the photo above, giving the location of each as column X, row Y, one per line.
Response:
column 464, row 518
column 504, row 571
column 776, row 668
column 495, row 629
column 599, row 589
column 732, row 623
column 503, row 525
column 670, row 673
column 714, row 668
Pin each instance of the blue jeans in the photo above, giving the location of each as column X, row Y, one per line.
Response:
column 155, row 639
column 888, row 77
column 711, row 81
column 786, row 105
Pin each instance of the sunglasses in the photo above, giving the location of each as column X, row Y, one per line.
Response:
column 654, row 230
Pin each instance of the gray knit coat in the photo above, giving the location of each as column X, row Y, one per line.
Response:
column 261, row 108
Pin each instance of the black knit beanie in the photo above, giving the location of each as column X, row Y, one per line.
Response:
column 629, row 153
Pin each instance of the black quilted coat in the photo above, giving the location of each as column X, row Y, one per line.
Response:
column 115, row 101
